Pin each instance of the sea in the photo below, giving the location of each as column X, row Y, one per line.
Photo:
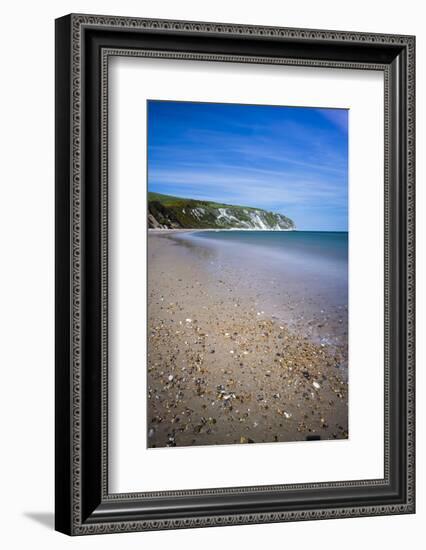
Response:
column 326, row 246
column 297, row 277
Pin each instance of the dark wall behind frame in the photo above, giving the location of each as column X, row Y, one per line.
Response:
column 82, row 505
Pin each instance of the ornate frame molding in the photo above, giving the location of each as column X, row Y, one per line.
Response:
column 71, row 44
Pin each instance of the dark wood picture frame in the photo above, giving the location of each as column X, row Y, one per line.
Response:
column 83, row 45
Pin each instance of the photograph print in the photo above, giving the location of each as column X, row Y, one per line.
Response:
column 247, row 261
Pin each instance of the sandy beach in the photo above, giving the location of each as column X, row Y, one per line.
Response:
column 234, row 361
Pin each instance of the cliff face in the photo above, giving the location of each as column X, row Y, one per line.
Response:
column 166, row 212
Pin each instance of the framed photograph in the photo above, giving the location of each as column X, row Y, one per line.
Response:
column 234, row 274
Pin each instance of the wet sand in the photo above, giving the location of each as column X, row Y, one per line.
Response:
column 228, row 363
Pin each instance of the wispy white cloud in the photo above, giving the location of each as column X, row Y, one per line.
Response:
column 253, row 187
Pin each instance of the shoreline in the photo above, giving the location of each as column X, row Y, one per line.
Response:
column 160, row 231
column 223, row 370
column 165, row 231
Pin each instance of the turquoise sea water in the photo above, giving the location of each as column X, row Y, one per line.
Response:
column 310, row 262
column 329, row 246
column 299, row 277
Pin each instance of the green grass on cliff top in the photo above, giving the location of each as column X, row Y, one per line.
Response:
column 169, row 200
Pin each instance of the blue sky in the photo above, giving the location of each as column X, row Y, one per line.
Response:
column 292, row 160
